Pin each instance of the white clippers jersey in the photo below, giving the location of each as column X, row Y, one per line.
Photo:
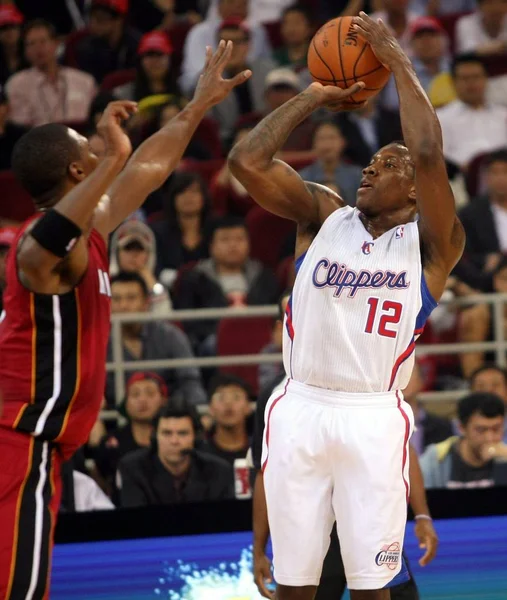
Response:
column 357, row 307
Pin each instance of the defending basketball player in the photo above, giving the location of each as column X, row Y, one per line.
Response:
column 55, row 325
column 336, row 440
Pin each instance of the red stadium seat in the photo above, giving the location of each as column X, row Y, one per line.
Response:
column 473, row 177
column 73, row 39
column 16, row 204
column 267, row 235
column 244, row 336
column 113, row 80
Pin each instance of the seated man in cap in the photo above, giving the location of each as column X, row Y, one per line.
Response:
column 111, row 44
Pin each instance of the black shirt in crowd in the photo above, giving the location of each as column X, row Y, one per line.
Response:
column 113, row 448
column 465, row 475
column 145, row 481
column 228, row 455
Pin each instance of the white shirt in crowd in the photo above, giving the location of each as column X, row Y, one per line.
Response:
column 468, row 132
column 87, row 494
column 206, row 34
column 470, row 33
column 500, row 219
column 259, row 11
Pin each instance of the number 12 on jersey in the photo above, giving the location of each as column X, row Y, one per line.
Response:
column 390, row 314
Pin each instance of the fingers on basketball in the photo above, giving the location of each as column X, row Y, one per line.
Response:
column 340, row 56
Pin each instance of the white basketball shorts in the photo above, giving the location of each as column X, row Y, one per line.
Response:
column 335, row 456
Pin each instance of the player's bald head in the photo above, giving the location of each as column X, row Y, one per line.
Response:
column 403, row 152
column 41, row 159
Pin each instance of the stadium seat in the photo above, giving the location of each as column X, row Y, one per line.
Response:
column 113, row 80
column 71, row 44
column 16, row 204
column 267, row 235
column 244, row 336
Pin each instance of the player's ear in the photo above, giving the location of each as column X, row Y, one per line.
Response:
column 412, row 194
column 76, row 171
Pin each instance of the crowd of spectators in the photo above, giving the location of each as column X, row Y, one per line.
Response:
column 200, row 242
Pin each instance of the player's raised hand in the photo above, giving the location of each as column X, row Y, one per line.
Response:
column 383, row 42
column 111, row 130
column 428, row 540
column 334, row 98
column 262, row 575
column 212, row 88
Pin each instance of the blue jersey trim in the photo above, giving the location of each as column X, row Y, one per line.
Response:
column 299, row 261
column 428, row 305
column 402, row 577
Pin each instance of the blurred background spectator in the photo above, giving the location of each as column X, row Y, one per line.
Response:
column 470, row 126
column 228, row 278
column 109, row 44
column 398, row 16
column 229, row 407
column 259, row 11
column 181, row 234
column 328, row 146
column 269, row 372
column 9, row 132
column 133, row 250
column 47, row 92
column 7, row 237
column 296, row 30
column 466, row 461
column 154, row 72
column 206, row 34
column 485, row 30
column 172, row 470
column 11, row 45
column 151, row 340
column 492, row 379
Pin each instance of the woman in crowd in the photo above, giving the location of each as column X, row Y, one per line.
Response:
column 181, row 235
column 11, row 45
column 155, row 74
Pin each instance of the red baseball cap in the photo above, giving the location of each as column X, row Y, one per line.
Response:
column 149, row 376
column 7, row 236
column 155, row 41
column 425, row 24
column 118, row 6
column 10, row 15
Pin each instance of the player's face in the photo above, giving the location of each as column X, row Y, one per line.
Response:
column 328, row 143
column 144, row 401
column 496, row 178
column 428, row 45
column 229, row 406
column 128, row 297
column 491, row 381
column 40, row 48
column 295, row 28
column 387, row 183
column 470, row 82
column 174, row 436
column 482, row 431
column 230, row 246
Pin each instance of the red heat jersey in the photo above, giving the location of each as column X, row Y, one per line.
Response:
column 53, row 352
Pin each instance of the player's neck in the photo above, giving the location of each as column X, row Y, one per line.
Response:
column 378, row 225
column 231, row 438
column 141, row 432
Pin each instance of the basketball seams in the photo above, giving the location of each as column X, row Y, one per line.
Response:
column 340, row 49
column 345, row 80
column 357, row 62
column 333, row 80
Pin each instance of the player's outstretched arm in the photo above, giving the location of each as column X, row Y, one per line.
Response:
column 46, row 245
column 158, row 156
column 442, row 234
column 424, row 530
column 272, row 183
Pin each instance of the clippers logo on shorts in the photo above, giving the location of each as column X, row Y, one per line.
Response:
column 367, row 247
column 339, row 276
column 389, row 556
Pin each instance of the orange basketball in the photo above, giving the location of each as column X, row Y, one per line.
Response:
column 339, row 56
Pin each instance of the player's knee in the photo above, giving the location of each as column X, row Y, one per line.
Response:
column 288, row 592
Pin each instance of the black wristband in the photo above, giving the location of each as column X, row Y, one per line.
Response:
column 55, row 233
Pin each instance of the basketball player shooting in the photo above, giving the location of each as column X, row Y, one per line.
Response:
column 336, row 439
column 55, row 326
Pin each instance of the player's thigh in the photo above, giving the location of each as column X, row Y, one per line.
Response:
column 370, row 495
column 298, row 486
column 28, row 508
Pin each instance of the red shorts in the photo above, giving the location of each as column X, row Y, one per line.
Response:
column 30, row 491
